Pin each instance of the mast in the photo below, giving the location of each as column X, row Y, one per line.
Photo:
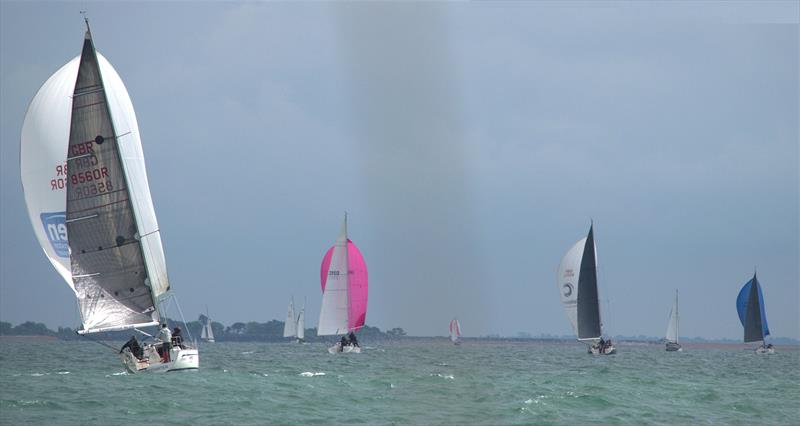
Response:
column 136, row 222
column 677, row 318
column 347, row 271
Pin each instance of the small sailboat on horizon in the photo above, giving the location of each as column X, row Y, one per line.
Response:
column 344, row 280
column 207, row 333
column 295, row 328
column 672, row 328
column 455, row 331
column 753, row 316
column 86, row 190
column 577, row 284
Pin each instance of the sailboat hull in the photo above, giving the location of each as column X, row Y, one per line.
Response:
column 180, row 359
column 609, row 350
column 348, row 349
column 761, row 350
column 674, row 347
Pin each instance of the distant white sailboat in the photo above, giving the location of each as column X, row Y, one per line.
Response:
column 344, row 280
column 207, row 332
column 301, row 324
column 577, row 284
column 88, row 198
column 753, row 315
column 672, row 328
column 289, row 326
column 455, row 331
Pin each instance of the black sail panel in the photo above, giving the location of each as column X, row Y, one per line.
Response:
column 588, row 306
column 753, row 330
column 106, row 258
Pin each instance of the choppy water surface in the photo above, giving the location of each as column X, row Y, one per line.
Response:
column 417, row 382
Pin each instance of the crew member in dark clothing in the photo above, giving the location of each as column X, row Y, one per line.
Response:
column 177, row 338
column 133, row 346
column 353, row 340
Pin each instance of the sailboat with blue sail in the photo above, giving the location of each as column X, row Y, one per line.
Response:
column 750, row 307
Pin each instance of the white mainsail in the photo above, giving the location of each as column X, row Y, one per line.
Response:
column 672, row 326
column 84, row 111
column 289, row 327
column 333, row 316
column 301, row 323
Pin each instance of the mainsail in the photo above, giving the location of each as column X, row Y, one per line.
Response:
column 344, row 280
column 672, row 326
column 750, row 307
column 577, row 283
column 289, row 327
column 301, row 323
column 88, row 199
column 455, row 330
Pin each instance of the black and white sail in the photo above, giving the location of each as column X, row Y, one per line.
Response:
column 87, row 194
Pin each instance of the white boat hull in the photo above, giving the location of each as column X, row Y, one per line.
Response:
column 761, row 350
column 180, row 359
column 609, row 350
column 349, row 349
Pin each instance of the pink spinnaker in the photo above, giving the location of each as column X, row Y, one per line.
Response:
column 358, row 284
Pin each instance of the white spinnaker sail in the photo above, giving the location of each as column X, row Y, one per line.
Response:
column 301, row 323
column 289, row 327
column 43, row 154
column 672, row 326
column 568, row 274
column 333, row 315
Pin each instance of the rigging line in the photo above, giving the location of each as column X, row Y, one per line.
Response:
column 98, row 342
column 189, row 332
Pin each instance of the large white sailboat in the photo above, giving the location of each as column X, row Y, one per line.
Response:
column 577, row 284
column 672, row 328
column 88, row 199
column 343, row 276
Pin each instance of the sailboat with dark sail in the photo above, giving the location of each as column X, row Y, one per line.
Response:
column 86, row 190
column 753, row 316
column 577, row 284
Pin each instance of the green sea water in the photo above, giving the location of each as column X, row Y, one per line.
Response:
column 405, row 382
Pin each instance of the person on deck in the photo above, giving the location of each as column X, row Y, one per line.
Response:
column 166, row 337
column 177, row 338
column 353, row 340
column 133, row 346
column 344, row 342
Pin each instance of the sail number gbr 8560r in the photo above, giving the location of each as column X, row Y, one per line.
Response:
column 85, row 182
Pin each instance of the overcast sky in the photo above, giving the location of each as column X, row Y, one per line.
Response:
column 470, row 143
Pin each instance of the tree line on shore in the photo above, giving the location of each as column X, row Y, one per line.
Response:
column 251, row 331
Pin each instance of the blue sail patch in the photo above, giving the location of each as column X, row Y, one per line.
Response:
column 55, row 227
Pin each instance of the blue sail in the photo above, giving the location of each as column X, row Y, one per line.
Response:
column 742, row 301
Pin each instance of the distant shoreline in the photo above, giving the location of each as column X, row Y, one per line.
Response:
column 272, row 332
